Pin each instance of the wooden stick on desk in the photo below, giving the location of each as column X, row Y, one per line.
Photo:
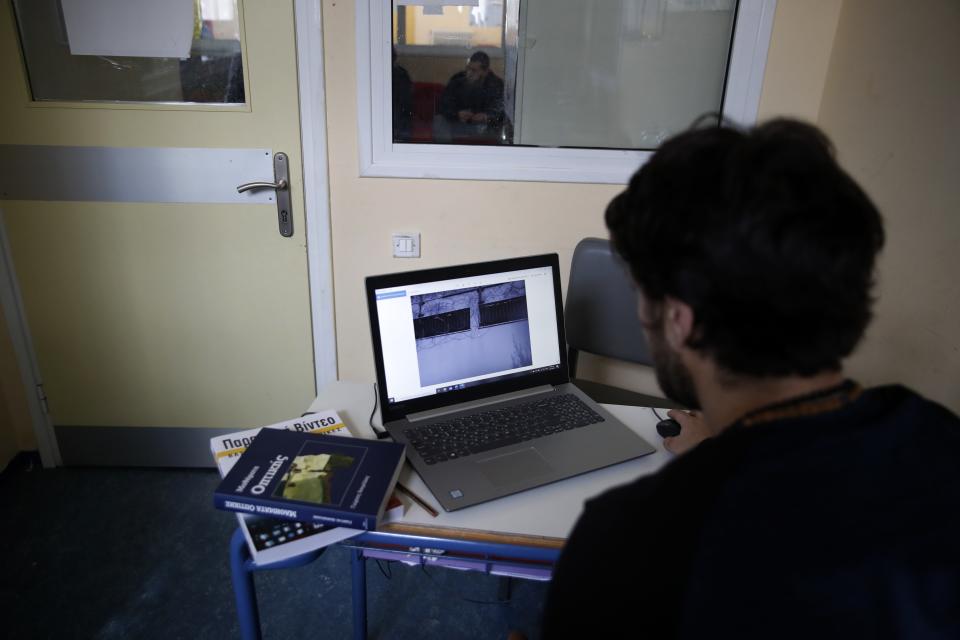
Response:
column 420, row 501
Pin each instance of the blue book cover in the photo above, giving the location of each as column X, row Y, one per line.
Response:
column 333, row 480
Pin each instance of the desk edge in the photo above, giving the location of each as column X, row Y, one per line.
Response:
column 472, row 535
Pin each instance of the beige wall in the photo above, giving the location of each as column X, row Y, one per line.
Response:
column 463, row 221
column 881, row 78
column 892, row 106
column 800, row 48
column 421, row 28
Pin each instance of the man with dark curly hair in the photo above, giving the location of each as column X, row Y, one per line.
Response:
column 801, row 505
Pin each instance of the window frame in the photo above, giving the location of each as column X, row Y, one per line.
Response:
column 381, row 157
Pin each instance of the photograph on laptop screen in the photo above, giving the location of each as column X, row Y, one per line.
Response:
column 463, row 333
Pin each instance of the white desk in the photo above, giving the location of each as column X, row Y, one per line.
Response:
column 526, row 528
column 547, row 513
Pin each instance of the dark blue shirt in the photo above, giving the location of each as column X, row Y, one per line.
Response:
column 484, row 97
column 840, row 525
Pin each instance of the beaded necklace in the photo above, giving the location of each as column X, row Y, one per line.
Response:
column 812, row 404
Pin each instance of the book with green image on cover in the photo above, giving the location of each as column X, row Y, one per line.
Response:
column 329, row 480
column 271, row 539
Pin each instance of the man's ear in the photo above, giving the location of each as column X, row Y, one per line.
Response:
column 677, row 322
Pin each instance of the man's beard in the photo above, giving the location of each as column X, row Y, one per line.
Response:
column 672, row 375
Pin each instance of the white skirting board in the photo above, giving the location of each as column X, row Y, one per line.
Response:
column 137, row 446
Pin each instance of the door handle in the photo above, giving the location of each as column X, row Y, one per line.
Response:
column 250, row 186
column 281, row 175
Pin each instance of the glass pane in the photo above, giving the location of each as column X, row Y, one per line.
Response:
column 622, row 74
column 453, row 25
column 448, row 73
column 68, row 58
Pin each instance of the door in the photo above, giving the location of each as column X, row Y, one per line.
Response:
column 154, row 322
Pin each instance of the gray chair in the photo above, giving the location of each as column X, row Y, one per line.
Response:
column 601, row 318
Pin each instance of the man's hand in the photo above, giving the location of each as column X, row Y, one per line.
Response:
column 693, row 431
column 480, row 118
column 465, row 115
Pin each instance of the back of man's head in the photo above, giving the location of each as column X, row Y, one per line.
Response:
column 767, row 239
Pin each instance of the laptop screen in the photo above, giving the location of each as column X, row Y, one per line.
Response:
column 447, row 335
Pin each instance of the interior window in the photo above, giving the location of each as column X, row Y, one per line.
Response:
column 175, row 52
column 548, row 90
column 621, row 74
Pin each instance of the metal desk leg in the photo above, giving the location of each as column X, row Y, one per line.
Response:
column 243, row 588
column 359, row 565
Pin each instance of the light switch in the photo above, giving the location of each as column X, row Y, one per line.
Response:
column 406, row 245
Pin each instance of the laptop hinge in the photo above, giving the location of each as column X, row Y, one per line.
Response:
column 473, row 404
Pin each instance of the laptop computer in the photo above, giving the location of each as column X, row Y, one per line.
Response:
column 472, row 376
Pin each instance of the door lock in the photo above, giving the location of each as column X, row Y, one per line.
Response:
column 281, row 175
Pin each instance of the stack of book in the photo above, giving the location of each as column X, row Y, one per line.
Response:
column 304, row 483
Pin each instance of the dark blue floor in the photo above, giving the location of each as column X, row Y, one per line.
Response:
column 142, row 553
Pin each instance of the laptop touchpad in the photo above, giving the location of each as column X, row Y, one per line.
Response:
column 511, row 468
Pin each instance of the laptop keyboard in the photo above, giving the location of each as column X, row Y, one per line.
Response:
column 475, row 433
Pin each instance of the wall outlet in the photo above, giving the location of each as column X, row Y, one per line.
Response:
column 406, row 245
